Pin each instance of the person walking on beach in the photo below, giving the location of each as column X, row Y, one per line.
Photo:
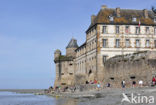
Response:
column 153, row 81
column 108, row 85
column 123, row 84
column 140, row 83
column 91, row 82
column 95, row 81
column 98, row 86
column 133, row 84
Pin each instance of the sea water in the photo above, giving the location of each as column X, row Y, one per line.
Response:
column 10, row 98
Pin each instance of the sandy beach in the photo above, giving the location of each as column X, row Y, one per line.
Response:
column 109, row 96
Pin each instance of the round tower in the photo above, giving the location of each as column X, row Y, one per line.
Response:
column 72, row 46
column 57, row 53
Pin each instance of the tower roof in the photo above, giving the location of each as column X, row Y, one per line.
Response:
column 72, row 43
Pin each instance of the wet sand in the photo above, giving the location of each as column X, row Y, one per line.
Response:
column 108, row 96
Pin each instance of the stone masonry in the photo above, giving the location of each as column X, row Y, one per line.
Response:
column 120, row 45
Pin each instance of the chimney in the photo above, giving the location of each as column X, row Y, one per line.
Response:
column 145, row 13
column 103, row 6
column 93, row 18
column 118, row 12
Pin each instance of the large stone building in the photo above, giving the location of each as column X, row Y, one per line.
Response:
column 112, row 32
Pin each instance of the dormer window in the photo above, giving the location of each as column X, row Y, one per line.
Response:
column 111, row 18
column 134, row 19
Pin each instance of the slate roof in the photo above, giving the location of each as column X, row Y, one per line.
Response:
column 72, row 43
column 80, row 47
column 125, row 17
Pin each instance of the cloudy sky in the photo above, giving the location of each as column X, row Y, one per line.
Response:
column 31, row 30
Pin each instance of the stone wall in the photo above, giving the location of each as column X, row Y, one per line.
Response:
column 64, row 73
column 71, row 52
column 130, row 67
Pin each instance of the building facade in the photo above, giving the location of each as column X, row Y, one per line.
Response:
column 112, row 32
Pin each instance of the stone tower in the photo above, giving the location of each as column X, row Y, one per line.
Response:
column 72, row 46
column 57, row 53
column 64, row 65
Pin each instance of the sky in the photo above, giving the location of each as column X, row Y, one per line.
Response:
column 31, row 30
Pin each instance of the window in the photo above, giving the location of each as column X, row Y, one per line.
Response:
column 155, row 43
column 132, row 77
column 155, row 19
column 117, row 29
column 147, row 43
column 90, row 72
column 104, row 30
column 70, row 73
column 70, row 64
column 137, row 30
column 127, row 29
column 117, row 43
column 63, row 83
column 134, row 19
column 137, row 43
column 104, row 58
column 154, row 30
column 127, row 43
column 111, row 18
column 147, row 30
column 112, row 78
column 104, row 43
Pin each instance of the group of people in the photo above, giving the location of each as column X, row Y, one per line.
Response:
column 92, row 82
column 99, row 85
column 140, row 83
column 95, row 82
column 123, row 83
column 64, row 89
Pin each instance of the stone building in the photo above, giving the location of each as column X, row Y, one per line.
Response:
column 65, row 64
column 112, row 32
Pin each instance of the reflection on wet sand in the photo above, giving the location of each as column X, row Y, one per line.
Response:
column 67, row 101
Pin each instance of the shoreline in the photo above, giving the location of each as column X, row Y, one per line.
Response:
column 33, row 91
column 103, row 93
column 107, row 96
column 85, row 94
